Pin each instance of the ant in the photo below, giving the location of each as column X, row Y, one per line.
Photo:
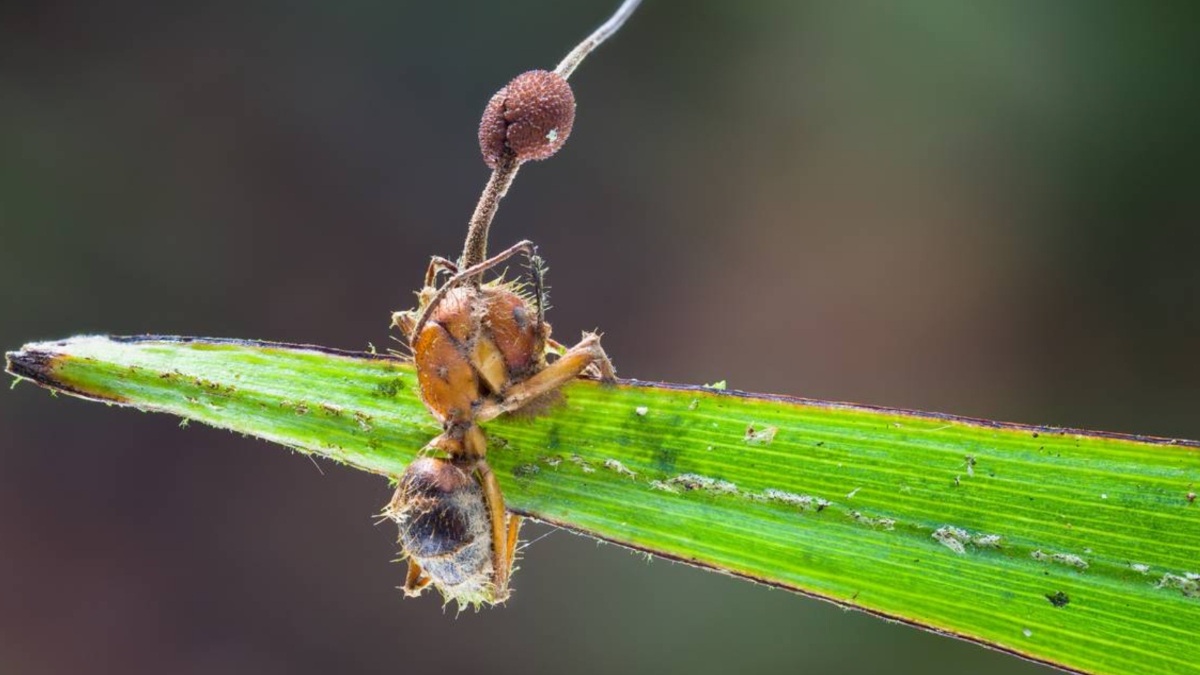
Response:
column 482, row 350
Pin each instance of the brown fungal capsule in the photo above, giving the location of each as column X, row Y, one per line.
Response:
column 531, row 117
column 445, row 529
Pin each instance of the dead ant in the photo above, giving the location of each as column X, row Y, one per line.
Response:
column 481, row 350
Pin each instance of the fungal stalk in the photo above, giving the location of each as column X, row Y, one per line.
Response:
column 530, row 118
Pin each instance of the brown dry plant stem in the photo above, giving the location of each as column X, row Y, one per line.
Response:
column 475, row 249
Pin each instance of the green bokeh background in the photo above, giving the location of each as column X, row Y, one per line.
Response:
column 984, row 208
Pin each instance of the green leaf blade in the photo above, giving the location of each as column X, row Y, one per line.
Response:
column 1069, row 548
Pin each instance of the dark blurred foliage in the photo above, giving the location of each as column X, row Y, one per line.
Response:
column 973, row 207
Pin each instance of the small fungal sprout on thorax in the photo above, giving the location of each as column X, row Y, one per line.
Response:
column 481, row 350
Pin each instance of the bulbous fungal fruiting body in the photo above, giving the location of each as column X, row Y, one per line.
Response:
column 531, row 117
column 445, row 528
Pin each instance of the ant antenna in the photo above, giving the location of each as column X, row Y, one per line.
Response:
column 541, row 294
column 530, row 118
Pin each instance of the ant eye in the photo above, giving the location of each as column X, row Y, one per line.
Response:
column 444, row 526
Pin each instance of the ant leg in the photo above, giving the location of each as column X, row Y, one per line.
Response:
column 416, row 581
column 571, row 365
column 510, row 550
column 448, row 442
column 514, row 529
column 600, row 365
column 601, row 368
column 555, row 347
column 503, row 533
column 437, row 265
column 525, row 246
column 406, row 321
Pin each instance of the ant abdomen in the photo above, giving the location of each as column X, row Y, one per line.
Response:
column 445, row 528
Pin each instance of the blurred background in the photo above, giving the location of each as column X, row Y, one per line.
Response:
column 979, row 208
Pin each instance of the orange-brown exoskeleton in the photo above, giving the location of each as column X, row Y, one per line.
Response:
column 481, row 350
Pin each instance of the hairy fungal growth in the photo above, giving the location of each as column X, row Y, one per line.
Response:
column 444, row 528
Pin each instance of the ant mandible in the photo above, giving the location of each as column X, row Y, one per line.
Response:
column 481, row 351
